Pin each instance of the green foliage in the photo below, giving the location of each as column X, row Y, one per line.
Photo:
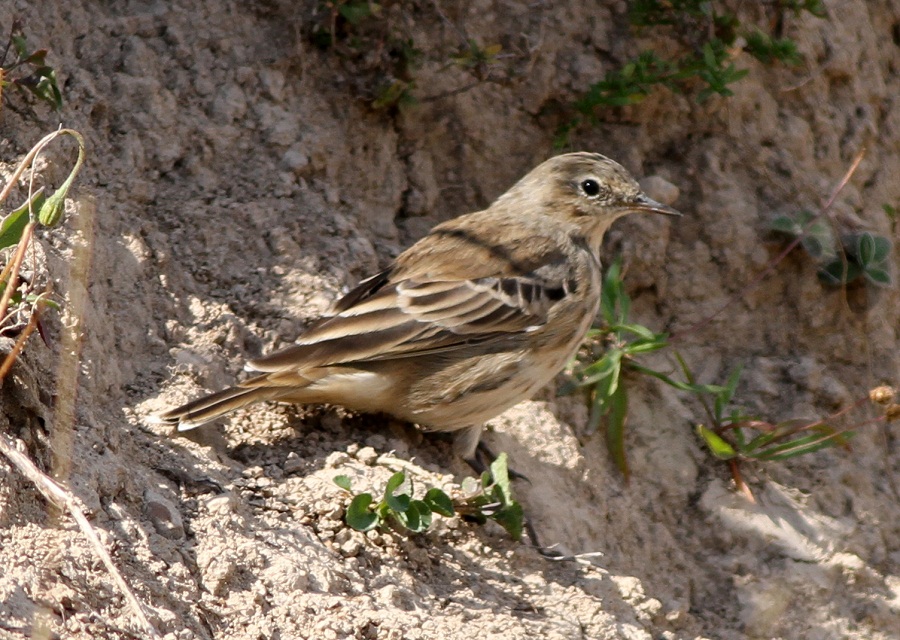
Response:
column 769, row 50
column 18, row 299
column 710, row 36
column 814, row 233
column 715, row 69
column 603, row 365
column 28, row 71
column 815, row 7
column 891, row 212
column 476, row 58
column 489, row 497
column 854, row 256
column 355, row 11
column 394, row 93
column 397, row 508
column 628, row 85
column 13, row 225
column 607, row 356
column 374, row 42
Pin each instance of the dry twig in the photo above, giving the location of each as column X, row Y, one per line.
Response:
column 65, row 501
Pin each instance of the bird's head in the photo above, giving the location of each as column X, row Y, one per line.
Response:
column 588, row 190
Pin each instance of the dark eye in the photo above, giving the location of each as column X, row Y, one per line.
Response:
column 590, row 187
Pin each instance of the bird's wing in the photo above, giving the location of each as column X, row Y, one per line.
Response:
column 398, row 319
column 457, row 287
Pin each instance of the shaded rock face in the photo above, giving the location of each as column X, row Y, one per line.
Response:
column 239, row 180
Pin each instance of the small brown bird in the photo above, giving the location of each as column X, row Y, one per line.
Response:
column 473, row 318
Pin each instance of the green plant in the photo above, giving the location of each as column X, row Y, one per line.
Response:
column 487, row 498
column 736, row 437
column 611, row 353
column 815, row 7
column 710, row 36
column 28, row 70
column 17, row 229
column 374, row 41
column 769, row 50
column 840, row 261
column 607, row 356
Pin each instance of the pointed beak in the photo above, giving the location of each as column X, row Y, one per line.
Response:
column 644, row 203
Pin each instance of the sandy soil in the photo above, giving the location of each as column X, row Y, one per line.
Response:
column 239, row 180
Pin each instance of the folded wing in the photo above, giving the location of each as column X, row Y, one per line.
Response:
column 383, row 320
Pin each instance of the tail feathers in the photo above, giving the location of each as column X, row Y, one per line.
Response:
column 206, row 409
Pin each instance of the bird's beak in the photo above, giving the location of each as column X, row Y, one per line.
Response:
column 644, row 203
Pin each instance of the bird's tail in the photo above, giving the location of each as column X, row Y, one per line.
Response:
column 206, row 409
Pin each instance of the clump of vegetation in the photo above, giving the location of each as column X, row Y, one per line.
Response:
column 26, row 70
column 375, row 42
column 611, row 355
column 479, row 500
column 848, row 258
column 21, row 303
column 710, row 36
column 19, row 300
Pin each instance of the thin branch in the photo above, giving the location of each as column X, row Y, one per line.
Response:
column 65, row 501
column 12, row 268
column 20, row 343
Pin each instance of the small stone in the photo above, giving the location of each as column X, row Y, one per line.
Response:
column 254, row 472
column 336, row 459
column 367, row 455
column 293, row 464
column 164, row 515
column 351, row 548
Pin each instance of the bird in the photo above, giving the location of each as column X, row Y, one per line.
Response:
column 473, row 318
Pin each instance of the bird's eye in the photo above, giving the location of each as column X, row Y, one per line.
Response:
column 590, row 187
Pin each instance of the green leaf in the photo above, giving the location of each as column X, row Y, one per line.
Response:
column 727, row 393
column 396, row 93
column 52, row 210
column 878, row 276
column 397, row 502
column 42, row 83
column 606, row 368
column 439, row 502
column 359, row 516
column 20, row 45
column 611, row 293
column 598, row 409
column 637, row 329
column 717, row 445
column 865, row 249
column 14, row 224
column 511, row 518
column 759, row 442
column 33, row 298
column 615, row 429
column 357, row 11
column 500, row 477
column 343, row 482
column 836, row 272
column 786, row 225
column 646, row 346
column 418, row 516
column 801, row 446
column 471, row 487
column 677, row 384
column 882, row 249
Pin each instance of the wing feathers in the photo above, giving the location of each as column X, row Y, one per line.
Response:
column 386, row 320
